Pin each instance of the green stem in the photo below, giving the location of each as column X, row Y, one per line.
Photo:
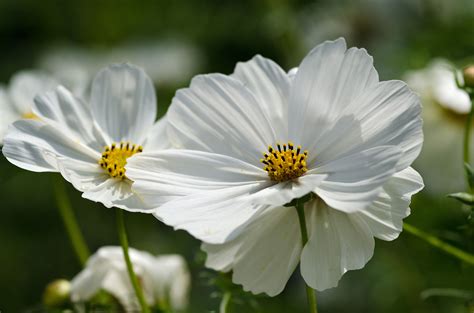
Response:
column 70, row 223
column 122, row 233
column 467, row 139
column 447, row 292
column 437, row 243
column 311, row 295
column 225, row 303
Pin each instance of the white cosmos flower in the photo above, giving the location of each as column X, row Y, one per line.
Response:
column 437, row 83
column 165, row 279
column 89, row 143
column 444, row 110
column 349, row 140
column 16, row 99
column 166, row 61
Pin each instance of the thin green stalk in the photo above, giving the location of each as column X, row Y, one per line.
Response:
column 225, row 303
column 70, row 223
column 467, row 140
column 447, row 292
column 122, row 233
column 437, row 243
column 311, row 295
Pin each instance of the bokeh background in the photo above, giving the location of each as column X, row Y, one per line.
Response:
column 175, row 40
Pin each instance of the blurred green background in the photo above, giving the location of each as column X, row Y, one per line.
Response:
column 214, row 35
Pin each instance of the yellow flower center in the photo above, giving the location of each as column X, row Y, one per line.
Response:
column 285, row 163
column 114, row 158
column 30, row 115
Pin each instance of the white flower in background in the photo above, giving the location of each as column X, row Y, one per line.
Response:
column 371, row 22
column 16, row 100
column 166, row 61
column 89, row 144
column 437, row 82
column 259, row 138
column 75, row 78
column 444, row 110
column 165, row 279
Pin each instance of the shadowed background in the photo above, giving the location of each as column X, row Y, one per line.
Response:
column 174, row 41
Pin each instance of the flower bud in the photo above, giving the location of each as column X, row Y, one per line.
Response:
column 468, row 74
column 57, row 293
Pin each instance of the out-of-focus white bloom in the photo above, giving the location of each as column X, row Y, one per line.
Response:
column 166, row 62
column 372, row 21
column 16, row 100
column 358, row 22
column 437, row 83
column 89, row 144
column 75, row 78
column 262, row 137
column 165, row 279
column 444, row 109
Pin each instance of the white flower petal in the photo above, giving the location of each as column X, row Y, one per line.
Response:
column 63, row 110
column 437, row 82
column 33, row 145
column 123, row 102
column 221, row 257
column 117, row 284
column 106, row 270
column 89, row 281
column 213, row 216
column 265, row 255
column 387, row 113
column 270, row 252
column 161, row 176
column 25, row 85
column 284, row 192
column 354, row 181
column 164, row 279
column 117, row 281
column 337, row 95
column 8, row 114
column 157, row 138
column 118, row 193
column 385, row 215
column 292, row 73
column 171, row 280
column 204, row 193
column 338, row 242
column 82, row 175
column 327, row 80
column 271, row 87
column 217, row 113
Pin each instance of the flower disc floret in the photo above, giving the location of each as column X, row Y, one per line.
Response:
column 30, row 116
column 114, row 158
column 285, row 162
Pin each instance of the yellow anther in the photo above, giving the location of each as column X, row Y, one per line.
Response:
column 30, row 116
column 114, row 158
column 285, row 162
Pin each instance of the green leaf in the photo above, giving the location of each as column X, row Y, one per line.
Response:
column 470, row 174
column 463, row 197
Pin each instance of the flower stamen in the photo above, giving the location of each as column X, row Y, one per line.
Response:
column 30, row 116
column 114, row 158
column 285, row 163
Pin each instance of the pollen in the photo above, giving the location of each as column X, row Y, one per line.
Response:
column 30, row 116
column 287, row 162
column 114, row 158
